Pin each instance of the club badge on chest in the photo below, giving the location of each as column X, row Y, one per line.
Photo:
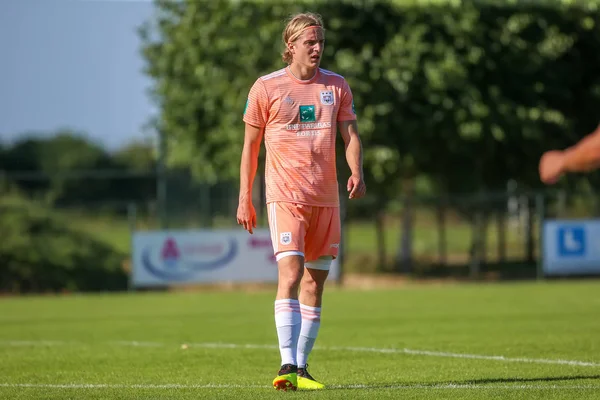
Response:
column 327, row 97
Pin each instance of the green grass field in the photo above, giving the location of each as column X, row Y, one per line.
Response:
column 473, row 341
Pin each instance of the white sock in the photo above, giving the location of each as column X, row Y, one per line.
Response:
column 311, row 321
column 288, row 321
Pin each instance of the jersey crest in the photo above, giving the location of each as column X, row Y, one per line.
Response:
column 327, row 97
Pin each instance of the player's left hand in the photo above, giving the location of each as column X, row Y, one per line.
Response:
column 356, row 186
column 246, row 215
column 551, row 166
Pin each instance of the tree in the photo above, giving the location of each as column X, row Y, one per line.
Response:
column 67, row 168
column 468, row 93
column 421, row 75
column 53, row 165
column 136, row 156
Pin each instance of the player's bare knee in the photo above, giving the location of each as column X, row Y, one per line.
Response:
column 290, row 271
column 313, row 281
column 291, row 281
column 311, row 288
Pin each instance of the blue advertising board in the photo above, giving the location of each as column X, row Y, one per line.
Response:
column 571, row 247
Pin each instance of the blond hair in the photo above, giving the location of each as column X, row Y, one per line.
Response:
column 295, row 25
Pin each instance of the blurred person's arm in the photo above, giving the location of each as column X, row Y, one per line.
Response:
column 584, row 156
column 246, row 214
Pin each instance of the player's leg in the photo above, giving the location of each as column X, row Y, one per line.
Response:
column 288, row 320
column 322, row 245
column 287, row 235
column 311, row 294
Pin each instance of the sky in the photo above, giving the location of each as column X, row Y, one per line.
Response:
column 74, row 64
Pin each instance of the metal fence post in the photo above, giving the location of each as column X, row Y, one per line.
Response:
column 540, row 206
column 477, row 249
column 132, row 220
column 161, row 183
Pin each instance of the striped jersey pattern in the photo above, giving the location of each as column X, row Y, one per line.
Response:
column 300, row 120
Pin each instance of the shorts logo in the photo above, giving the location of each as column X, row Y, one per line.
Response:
column 307, row 114
column 285, row 238
column 327, row 97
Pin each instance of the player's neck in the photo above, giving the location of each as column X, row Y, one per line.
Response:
column 302, row 72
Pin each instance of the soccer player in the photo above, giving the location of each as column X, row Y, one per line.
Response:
column 298, row 110
column 584, row 156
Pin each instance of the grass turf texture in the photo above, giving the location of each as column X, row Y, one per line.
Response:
column 125, row 346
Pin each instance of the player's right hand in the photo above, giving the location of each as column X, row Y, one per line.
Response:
column 246, row 215
column 356, row 187
column 551, row 166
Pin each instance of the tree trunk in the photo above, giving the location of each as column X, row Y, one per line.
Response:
column 529, row 241
column 476, row 245
column 404, row 260
column 441, row 228
column 501, row 223
column 483, row 236
column 380, row 237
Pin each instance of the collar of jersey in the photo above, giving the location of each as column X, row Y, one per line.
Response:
column 293, row 77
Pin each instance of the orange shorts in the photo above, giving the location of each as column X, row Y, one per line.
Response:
column 308, row 230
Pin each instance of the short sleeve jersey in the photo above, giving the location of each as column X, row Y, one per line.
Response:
column 300, row 124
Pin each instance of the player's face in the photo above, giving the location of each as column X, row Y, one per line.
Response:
column 308, row 48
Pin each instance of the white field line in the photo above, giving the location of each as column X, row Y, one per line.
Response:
column 222, row 386
column 408, row 351
column 472, row 356
column 576, row 363
column 17, row 343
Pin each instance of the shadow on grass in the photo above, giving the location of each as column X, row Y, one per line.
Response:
column 467, row 383
column 517, row 380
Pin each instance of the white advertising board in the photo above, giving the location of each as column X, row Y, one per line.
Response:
column 571, row 247
column 164, row 258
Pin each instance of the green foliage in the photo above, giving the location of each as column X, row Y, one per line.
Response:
column 41, row 253
column 34, row 151
column 493, row 86
column 56, row 157
column 204, row 62
column 136, row 156
column 67, row 168
column 76, row 152
column 467, row 92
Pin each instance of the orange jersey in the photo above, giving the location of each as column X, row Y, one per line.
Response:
column 300, row 125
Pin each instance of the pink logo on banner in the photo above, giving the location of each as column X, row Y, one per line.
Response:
column 257, row 243
column 180, row 259
column 170, row 253
column 263, row 243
